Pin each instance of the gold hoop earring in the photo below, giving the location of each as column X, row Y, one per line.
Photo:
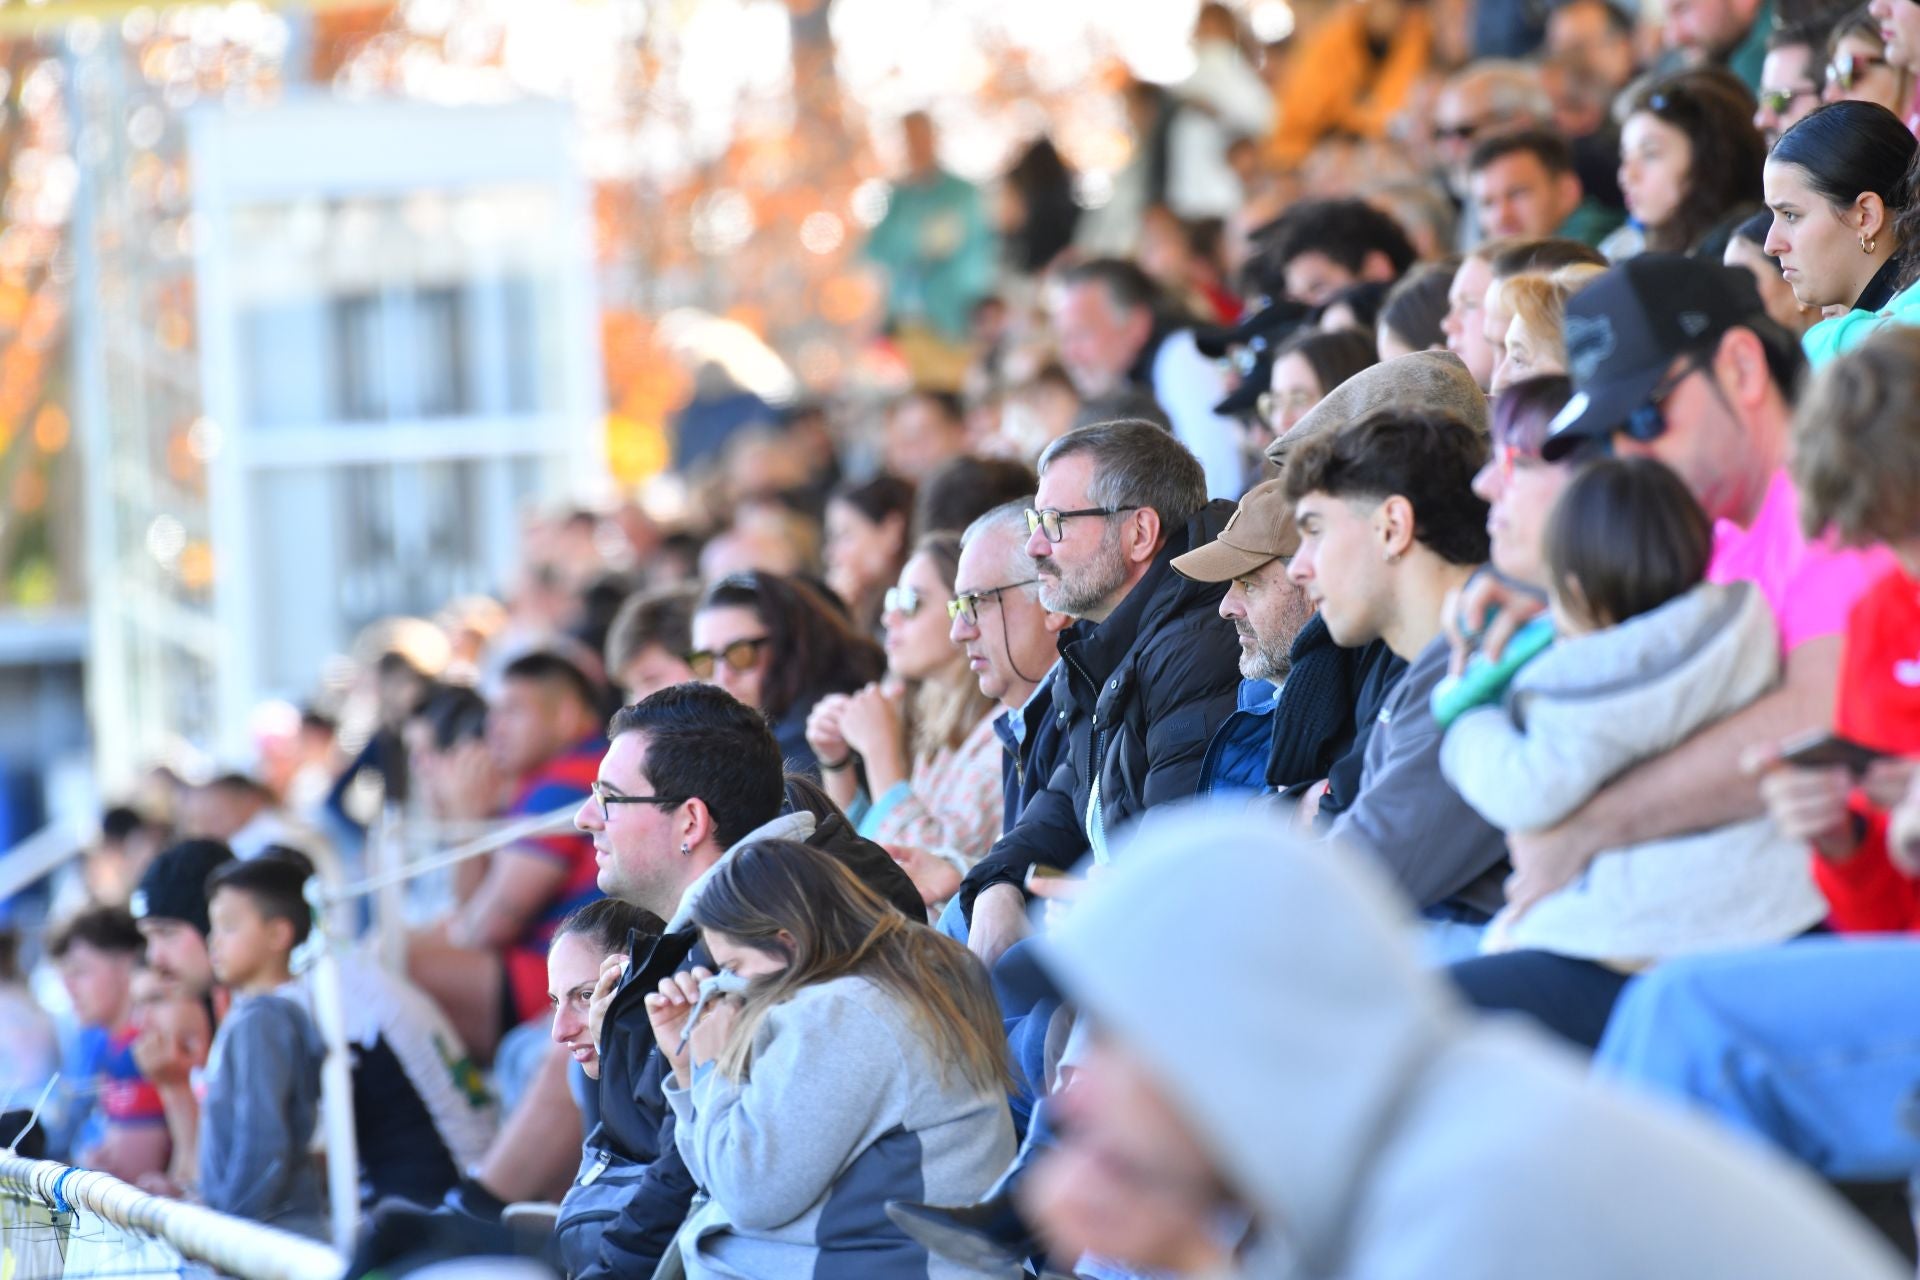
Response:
column 1866, row 244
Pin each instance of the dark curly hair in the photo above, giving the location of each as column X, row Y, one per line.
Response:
column 1346, row 231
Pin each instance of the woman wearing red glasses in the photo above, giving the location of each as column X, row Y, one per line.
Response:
column 778, row 645
column 924, row 737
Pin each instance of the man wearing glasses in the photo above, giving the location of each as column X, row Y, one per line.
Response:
column 690, row 774
column 1145, row 674
column 1675, row 359
column 1789, row 78
column 1009, row 639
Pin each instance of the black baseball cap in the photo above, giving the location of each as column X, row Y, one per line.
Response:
column 1262, row 330
column 1256, row 374
column 174, row 886
column 1625, row 329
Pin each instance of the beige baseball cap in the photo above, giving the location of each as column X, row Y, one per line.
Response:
column 1260, row 530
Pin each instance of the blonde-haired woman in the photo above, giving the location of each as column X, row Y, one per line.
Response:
column 923, row 736
column 864, row 1059
column 1536, row 340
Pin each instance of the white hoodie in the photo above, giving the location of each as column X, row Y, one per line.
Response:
column 1374, row 1126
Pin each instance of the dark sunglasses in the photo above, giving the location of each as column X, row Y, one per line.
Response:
column 739, row 656
column 1649, row 421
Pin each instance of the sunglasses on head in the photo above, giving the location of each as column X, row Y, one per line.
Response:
column 739, row 656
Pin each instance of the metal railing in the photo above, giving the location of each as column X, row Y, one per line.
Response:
column 334, row 901
column 62, row 1194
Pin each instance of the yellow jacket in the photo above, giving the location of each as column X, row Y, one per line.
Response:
column 1334, row 84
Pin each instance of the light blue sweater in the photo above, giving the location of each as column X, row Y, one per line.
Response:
column 1840, row 334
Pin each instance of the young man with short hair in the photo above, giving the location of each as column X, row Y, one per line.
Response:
column 486, row 964
column 1389, row 526
column 1523, row 184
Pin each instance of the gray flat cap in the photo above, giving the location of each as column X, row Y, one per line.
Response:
column 1436, row 381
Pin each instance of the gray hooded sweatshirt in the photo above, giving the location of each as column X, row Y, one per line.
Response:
column 1375, row 1127
column 844, row 1107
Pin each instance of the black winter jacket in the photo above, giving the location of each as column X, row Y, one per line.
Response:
column 632, row 1191
column 1136, row 698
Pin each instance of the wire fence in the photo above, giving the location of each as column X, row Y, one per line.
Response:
column 62, row 1223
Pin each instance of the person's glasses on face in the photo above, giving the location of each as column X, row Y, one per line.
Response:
column 904, row 601
column 967, row 604
column 1053, row 523
column 606, row 798
column 1274, row 409
column 1649, row 421
column 1780, row 101
column 1461, row 133
column 739, row 656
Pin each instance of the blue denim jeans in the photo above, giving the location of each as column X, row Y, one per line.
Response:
column 1812, row 1046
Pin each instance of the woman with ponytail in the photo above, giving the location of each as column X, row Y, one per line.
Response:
column 1840, row 186
column 861, row 1059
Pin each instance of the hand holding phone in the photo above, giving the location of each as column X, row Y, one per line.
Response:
column 1823, row 750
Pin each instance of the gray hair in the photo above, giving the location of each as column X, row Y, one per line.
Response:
column 1008, row 517
column 1136, row 464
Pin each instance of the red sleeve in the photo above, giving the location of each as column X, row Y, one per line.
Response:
column 1867, row 893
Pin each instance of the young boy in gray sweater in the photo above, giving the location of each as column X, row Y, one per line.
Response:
column 263, row 1071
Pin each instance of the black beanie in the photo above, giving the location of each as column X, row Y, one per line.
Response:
column 175, row 884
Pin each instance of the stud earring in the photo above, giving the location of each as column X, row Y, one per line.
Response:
column 685, row 852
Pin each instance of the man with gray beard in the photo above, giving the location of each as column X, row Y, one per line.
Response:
column 1146, row 671
column 1299, row 690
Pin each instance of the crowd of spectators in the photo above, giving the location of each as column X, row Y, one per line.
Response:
column 1356, row 663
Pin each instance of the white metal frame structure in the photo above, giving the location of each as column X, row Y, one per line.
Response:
column 397, row 350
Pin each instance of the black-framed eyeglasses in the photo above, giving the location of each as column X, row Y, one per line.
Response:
column 607, row 799
column 1457, row 132
column 739, row 656
column 1778, row 100
column 1048, row 521
column 1846, row 69
column 967, row 603
column 1649, row 421
column 904, row 601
